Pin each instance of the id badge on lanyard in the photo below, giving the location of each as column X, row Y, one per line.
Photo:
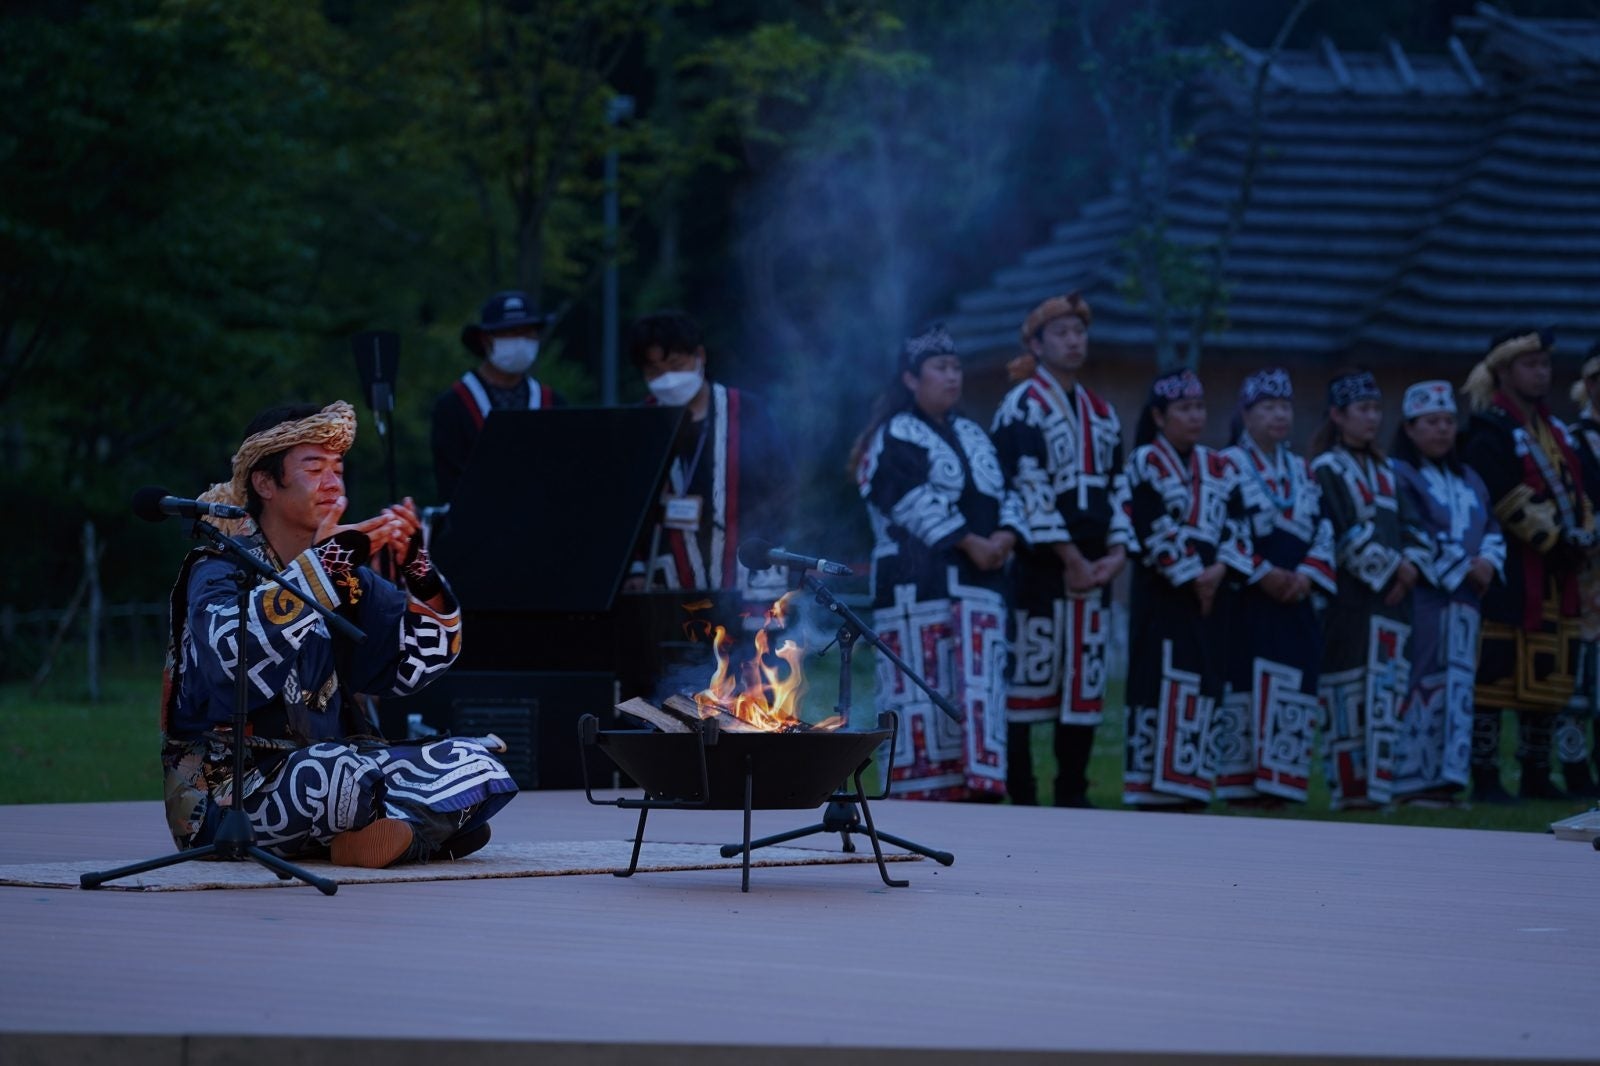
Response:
column 681, row 509
column 681, row 513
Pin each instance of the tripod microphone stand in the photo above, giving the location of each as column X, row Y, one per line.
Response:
column 841, row 816
column 235, row 838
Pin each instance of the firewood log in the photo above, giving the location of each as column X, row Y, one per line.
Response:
column 646, row 711
column 726, row 720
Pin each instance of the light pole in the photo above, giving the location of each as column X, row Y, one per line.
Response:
column 618, row 109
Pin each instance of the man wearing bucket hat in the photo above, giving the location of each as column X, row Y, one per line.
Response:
column 505, row 343
column 1529, row 649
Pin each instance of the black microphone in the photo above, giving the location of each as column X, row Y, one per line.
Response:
column 153, row 504
column 757, row 554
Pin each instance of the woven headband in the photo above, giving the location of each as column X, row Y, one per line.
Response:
column 333, row 427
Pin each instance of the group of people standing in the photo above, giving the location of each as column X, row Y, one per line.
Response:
column 1392, row 602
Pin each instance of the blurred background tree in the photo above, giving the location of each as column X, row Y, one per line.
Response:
column 201, row 201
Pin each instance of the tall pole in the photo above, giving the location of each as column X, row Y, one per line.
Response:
column 618, row 109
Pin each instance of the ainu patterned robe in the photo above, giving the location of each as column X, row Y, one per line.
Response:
column 1264, row 730
column 1062, row 455
column 1529, row 650
column 734, row 460
column 315, row 767
column 1451, row 507
column 927, row 485
column 1366, row 669
column 1186, row 512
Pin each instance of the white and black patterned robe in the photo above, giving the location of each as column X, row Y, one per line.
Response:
column 1264, row 730
column 1186, row 513
column 315, row 767
column 1366, row 666
column 1451, row 508
column 927, row 485
column 1062, row 456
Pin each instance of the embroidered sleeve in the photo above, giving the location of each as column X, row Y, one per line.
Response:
column 1165, row 544
column 1359, row 552
column 1025, row 460
column 1235, row 548
column 1318, row 565
column 917, row 486
column 1437, row 554
column 1120, row 534
column 408, row 644
column 278, row 623
column 1525, row 515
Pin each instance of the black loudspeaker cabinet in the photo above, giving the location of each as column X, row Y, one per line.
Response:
column 535, row 713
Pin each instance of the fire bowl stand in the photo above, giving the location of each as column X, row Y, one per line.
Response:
column 717, row 763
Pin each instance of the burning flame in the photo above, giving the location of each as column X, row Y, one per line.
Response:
column 764, row 690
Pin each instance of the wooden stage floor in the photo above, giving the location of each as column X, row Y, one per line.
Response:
column 1058, row 936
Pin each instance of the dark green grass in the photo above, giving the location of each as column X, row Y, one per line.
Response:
column 59, row 747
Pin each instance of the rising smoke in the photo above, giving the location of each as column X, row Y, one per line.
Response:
column 898, row 188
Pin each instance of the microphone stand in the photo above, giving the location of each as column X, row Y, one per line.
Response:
column 235, row 839
column 841, row 815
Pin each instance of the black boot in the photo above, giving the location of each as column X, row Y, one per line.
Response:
column 1536, row 783
column 1486, row 787
column 1073, row 745
column 1021, row 787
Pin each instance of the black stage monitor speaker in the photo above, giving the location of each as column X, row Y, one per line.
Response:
column 536, row 714
column 551, row 506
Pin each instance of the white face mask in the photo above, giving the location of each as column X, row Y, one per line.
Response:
column 677, row 387
column 513, row 355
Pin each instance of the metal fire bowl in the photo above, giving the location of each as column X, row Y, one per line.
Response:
column 788, row 771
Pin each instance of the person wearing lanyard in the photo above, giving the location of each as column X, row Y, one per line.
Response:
column 728, row 475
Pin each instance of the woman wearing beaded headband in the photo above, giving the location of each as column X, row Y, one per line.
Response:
column 1264, row 729
column 1188, row 526
column 944, row 524
column 1465, row 554
column 1365, row 669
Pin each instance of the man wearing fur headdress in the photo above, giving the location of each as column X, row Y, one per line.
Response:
column 1529, row 650
column 320, row 780
column 1571, row 741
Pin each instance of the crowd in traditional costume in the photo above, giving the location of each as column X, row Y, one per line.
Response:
column 1393, row 605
